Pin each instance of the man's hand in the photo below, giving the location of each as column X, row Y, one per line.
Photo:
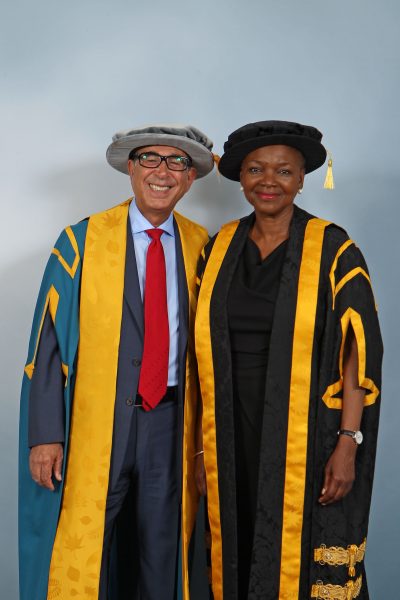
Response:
column 200, row 474
column 46, row 460
column 339, row 471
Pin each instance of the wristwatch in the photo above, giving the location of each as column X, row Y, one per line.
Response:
column 356, row 435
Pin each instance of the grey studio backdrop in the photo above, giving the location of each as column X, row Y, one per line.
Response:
column 72, row 74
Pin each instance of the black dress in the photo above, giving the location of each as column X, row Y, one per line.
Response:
column 251, row 304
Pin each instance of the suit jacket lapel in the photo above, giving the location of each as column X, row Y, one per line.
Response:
column 131, row 286
column 183, row 308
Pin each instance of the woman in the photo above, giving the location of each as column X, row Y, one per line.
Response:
column 289, row 354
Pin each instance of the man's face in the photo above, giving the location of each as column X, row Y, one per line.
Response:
column 158, row 190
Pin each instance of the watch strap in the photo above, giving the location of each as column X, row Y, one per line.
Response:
column 346, row 432
column 355, row 435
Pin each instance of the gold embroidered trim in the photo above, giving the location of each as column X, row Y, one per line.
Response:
column 337, row 556
column 336, row 592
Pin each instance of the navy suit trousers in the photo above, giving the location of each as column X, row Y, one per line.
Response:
column 149, row 469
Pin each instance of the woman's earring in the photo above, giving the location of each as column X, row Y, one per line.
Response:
column 241, row 188
column 300, row 190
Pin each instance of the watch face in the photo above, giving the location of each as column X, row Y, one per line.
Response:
column 358, row 436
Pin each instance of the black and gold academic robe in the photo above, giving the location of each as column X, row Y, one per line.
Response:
column 301, row 549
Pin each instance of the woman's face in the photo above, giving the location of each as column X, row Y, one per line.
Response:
column 271, row 176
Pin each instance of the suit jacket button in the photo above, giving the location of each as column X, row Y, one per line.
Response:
column 136, row 362
column 129, row 401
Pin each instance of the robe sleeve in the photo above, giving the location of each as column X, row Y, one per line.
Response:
column 347, row 300
column 351, row 303
column 47, row 363
column 46, row 402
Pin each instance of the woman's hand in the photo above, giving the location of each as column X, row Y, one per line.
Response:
column 200, row 474
column 339, row 471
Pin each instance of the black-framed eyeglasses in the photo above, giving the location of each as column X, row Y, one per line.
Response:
column 152, row 160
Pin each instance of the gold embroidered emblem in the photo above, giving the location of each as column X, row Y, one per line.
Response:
column 337, row 556
column 336, row 592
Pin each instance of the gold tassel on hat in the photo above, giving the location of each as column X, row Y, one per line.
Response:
column 216, row 160
column 329, row 182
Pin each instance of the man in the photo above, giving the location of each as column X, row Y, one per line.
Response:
column 109, row 396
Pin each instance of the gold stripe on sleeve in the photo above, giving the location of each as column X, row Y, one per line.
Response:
column 71, row 269
column 350, row 275
column 297, row 437
column 353, row 317
column 336, row 287
column 332, row 276
column 206, row 375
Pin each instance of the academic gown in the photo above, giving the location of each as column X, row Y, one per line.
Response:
column 61, row 533
column 300, row 548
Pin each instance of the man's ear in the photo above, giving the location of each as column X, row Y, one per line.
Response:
column 192, row 174
column 131, row 166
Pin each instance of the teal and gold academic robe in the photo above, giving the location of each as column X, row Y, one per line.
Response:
column 61, row 532
column 301, row 549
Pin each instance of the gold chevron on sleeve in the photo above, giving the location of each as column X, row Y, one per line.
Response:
column 352, row 317
column 350, row 275
column 336, row 287
column 71, row 269
column 339, row 253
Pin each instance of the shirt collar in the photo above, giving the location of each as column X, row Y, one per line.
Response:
column 139, row 222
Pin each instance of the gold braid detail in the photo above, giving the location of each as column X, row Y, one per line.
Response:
column 337, row 592
column 337, row 556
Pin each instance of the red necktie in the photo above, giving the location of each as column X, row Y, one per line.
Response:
column 154, row 371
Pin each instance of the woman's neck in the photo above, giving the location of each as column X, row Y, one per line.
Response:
column 268, row 232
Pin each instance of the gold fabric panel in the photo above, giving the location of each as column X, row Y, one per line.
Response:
column 337, row 592
column 76, row 559
column 337, row 556
column 297, row 437
column 206, row 367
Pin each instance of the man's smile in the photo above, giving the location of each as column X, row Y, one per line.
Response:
column 159, row 188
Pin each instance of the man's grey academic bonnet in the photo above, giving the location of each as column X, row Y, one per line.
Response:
column 189, row 139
